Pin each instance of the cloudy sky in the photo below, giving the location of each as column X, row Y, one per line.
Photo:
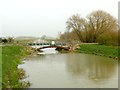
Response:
column 46, row 17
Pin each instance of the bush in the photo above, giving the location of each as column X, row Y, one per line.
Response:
column 104, row 39
column 108, row 38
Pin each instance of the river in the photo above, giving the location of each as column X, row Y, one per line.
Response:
column 70, row 70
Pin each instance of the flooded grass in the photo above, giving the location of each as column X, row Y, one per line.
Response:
column 101, row 50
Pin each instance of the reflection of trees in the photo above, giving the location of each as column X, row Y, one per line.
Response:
column 92, row 67
column 75, row 65
column 100, row 68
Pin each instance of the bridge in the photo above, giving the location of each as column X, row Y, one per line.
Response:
column 44, row 45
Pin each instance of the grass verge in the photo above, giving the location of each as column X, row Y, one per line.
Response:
column 101, row 50
column 0, row 67
column 11, row 57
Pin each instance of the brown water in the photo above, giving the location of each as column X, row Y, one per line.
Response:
column 71, row 70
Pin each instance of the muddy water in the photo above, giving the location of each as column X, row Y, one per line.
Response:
column 70, row 70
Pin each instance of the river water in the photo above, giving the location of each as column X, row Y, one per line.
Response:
column 70, row 70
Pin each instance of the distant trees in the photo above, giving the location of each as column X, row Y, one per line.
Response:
column 0, row 40
column 4, row 40
column 69, row 36
column 7, row 40
column 99, row 26
column 10, row 40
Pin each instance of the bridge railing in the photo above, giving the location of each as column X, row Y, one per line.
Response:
column 38, row 44
column 42, row 44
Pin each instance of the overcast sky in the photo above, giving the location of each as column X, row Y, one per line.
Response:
column 46, row 17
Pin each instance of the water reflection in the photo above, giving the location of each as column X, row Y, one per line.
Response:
column 91, row 67
column 71, row 70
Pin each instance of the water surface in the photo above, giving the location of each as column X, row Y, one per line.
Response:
column 70, row 70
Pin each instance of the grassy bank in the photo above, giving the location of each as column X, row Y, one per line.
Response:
column 101, row 50
column 0, row 67
column 11, row 57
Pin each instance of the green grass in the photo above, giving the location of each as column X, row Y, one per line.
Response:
column 11, row 57
column 0, row 67
column 101, row 50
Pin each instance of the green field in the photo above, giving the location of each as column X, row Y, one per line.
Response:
column 11, row 57
column 101, row 50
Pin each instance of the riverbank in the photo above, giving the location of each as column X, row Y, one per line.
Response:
column 12, row 55
column 0, row 67
column 101, row 50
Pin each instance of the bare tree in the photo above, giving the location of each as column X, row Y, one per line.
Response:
column 90, row 29
column 100, row 22
column 77, row 24
column 10, row 40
